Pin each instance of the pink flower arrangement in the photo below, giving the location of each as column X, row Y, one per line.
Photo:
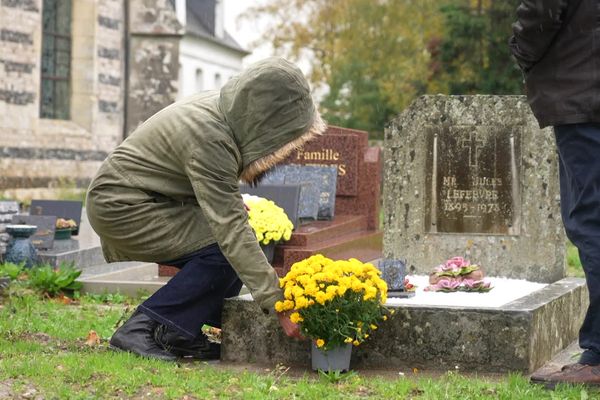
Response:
column 457, row 274
column 454, row 267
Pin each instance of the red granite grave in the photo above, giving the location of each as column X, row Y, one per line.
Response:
column 354, row 231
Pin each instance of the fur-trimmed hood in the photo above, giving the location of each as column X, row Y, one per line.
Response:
column 270, row 111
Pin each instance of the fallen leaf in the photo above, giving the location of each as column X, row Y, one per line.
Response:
column 92, row 339
column 64, row 299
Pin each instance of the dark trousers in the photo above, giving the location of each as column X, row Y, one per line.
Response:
column 579, row 152
column 195, row 295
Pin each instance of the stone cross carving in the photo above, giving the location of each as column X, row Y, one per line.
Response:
column 473, row 144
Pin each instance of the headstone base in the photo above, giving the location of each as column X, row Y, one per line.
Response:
column 519, row 336
column 74, row 251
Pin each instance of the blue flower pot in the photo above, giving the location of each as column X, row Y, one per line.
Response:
column 20, row 249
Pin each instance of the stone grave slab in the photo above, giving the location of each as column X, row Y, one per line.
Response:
column 473, row 176
column 354, row 230
column 43, row 239
column 358, row 190
column 318, row 183
column 128, row 278
column 517, row 336
column 308, row 208
column 285, row 196
column 67, row 209
column 84, row 250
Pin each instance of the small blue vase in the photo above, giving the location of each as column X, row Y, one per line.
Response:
column 20, row 249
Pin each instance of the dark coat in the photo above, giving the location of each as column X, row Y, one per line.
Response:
column 557, row 45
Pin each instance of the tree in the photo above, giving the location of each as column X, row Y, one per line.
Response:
column 373, row 57
column 473, row 55
column 369, row 55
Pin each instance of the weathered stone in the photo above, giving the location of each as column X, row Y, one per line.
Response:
column 98, row 43
column 31, row 153
column 153, row 74
column 107, row 22
column 154, row 17
column 111, row 54
column 519, row 336
column 16, row 97
column 109, row 80
column 15, row 36
column 108, row 106
column 21, row 68
column 27, row 5
column 9, row 207
column 473, row 176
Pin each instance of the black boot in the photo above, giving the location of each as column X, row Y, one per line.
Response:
column 199, row 348
column 136, row 335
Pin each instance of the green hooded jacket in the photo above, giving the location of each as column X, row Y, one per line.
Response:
column 172, row 187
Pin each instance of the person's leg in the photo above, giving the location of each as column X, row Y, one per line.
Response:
column 193, row 297
column 579, row 162
column 579, row 151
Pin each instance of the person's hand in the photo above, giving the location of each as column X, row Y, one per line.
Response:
column 291, row 329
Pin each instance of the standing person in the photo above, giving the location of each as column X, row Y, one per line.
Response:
column 170, row 194
column 557, row 45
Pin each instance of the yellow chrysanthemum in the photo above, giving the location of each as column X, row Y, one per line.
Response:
column 296, row 318
column 269, row 221
column 318, row 281
column 320, row 343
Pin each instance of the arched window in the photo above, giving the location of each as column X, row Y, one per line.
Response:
column 217, row 81
column 56, row 60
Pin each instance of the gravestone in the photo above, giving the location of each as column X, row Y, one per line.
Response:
column 308, row 207
column 473, row 176
column 43, row 238
column 359, row 170
column 67, row 209
column 318, row 188
column 466, row 176
column 354, row 230
column 285, row 196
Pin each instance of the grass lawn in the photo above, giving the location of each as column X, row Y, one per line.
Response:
column 573, row 263
column 45, row 353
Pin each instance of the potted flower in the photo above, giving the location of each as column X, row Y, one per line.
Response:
column 269, row 222
column 336, row 303
column 64, row 228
